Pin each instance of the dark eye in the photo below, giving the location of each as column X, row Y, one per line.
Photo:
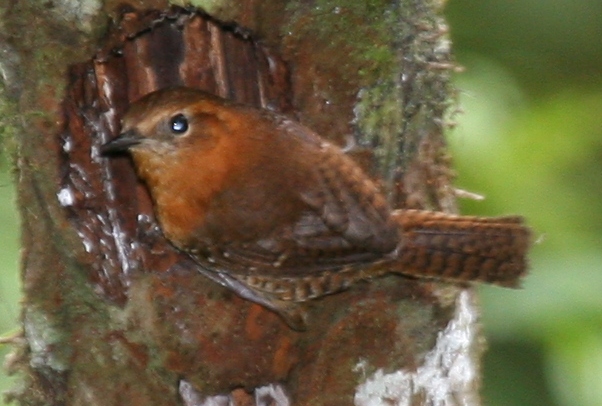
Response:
column 178, row 124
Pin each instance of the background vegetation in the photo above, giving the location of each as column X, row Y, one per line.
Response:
column 530, row 140
column 9, row 252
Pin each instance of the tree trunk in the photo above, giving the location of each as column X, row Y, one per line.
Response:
column 114, row 315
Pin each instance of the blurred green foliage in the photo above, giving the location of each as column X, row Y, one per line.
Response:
column 9, row 251
column 530, row 140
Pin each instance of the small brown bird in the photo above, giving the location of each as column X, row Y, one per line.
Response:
column 280, row 215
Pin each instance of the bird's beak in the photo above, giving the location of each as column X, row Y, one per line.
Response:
column 122, row 143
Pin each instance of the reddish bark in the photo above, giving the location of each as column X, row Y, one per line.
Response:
column 150, row 319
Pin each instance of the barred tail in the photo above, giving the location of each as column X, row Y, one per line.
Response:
column 462, row 248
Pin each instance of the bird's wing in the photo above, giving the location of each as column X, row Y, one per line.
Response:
column 346, row 221
column 349, row 204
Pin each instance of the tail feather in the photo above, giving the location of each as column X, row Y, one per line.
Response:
column 464, row 248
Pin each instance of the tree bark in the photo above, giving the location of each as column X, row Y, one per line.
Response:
column 112, row 314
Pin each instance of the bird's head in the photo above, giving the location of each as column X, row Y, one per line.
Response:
column 165, row 121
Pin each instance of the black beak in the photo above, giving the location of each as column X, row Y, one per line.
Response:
column 122, row 143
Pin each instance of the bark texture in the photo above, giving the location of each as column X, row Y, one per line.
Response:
column 114, row 315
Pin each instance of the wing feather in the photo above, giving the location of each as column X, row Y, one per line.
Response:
column 345, row 220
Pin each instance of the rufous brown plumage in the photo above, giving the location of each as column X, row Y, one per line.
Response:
column 282, row 215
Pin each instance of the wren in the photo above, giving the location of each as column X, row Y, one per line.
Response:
column 278, row 214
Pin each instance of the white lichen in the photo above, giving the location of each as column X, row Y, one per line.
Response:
column 447, row 376
column 65, row 196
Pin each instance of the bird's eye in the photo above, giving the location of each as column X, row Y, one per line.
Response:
column 179, row 124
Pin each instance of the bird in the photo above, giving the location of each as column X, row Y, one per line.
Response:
column 280, row 215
